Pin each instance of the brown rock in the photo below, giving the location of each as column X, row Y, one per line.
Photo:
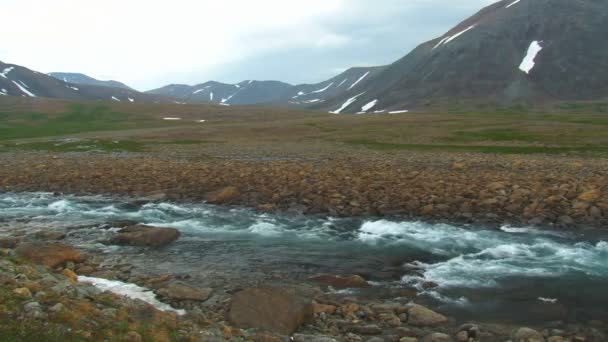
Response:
column 527, row 335
column 181, row 291
column 49, row 235
column 437, row 337
column 341, row 282
column 272, row 309
column 590, row 196
column 23, row 293
column 48, row 254
column 226, row 195
column 420, row 316
column 323, row 308
column 146, row 236
column 349, row 309
column 70, row 274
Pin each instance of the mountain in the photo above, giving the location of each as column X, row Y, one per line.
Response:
column 244, row 93
column 512, row 51
column 269, row 92
column 16, row 80
column 76, row 78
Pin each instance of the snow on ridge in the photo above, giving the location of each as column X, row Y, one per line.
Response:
column 341, row 83
column 130, row 291
column 359, row 80
column 130, row 99
column 459, row 34
column 228, row 98
column 172, row 119
column 527, row 64
column 70, row 87
column 448, row 39
column 115, row 99
column 312, row 101
column 322, row 90
column 24, row 90
column 6, row 71
column 198, row 91
column 399, row 111
column 369, row 105
column 346, row 104
column 513, row 3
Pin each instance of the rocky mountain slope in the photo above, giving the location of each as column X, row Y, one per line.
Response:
column 77, row 78
column 512, row 51
column 16, row 80
column 274, row 92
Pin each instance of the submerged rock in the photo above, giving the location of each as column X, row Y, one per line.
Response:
column 146, row 236
column 48, row 254
column 527, row 335
column 273, row 309
column 341, row 282
column 421, row 316
column 181, row 291
column 226, row 195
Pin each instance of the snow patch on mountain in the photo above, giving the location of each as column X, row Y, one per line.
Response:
column 130, row 99
column 322, row 90
column 528, row 62
column 6, row 71
column 211, row 96
column 459, row 34
column 513, row 3
column 228, row 98
column 115, row 99
column 358, row 81
column 399, row 112
column 346, row 104
column 341, row 83
column 369, row 106
column 24, row 90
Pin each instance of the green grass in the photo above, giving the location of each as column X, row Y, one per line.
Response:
column 81, row 117
column 78, row 146
column 382, row 146
column 493, row 134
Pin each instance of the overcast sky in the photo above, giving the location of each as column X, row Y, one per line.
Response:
column 151, row 43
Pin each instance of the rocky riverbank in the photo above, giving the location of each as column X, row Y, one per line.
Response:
column 45, row 296
column 545, row 191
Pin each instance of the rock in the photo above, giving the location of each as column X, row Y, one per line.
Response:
column 23, row 293
column 527, row 335
column 50, row 255
column 390, row 319
column 181, row 291
column 226, row 195
column 341, row 282
column 133, row 336
column 57, row 308
column 312, row 338
column 349, row 309
column 323, row 308
column 8, row 242
column 408, row 339
column 70, row 274
column 462, row 336
column 437, row 337
column 272, row 309
column 146, row 236
column 370, row 329
column 555, row 339
column 47, row 235
column 590, row 196
column 418, row 315
column 565, row 221
column 31, row 306
column 376, row 339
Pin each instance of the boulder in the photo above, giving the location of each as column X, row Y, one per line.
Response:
column 418, row 315
column 226, row 195
column 145, row 236
column 437, row 337
column 49, row 235
column 341, row 282
column 48, row 254
column 273, row 309
column 527, row 335
column 180, row 291
column 590, row 196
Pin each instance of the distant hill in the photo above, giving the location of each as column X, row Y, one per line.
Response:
column 269, row 92
column 512, row 51
column 84, row 79
column 16, row 80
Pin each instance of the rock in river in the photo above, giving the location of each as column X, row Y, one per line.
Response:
column 145, row 236
column 272, row 309
column 341, row 282
column 180, row 291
